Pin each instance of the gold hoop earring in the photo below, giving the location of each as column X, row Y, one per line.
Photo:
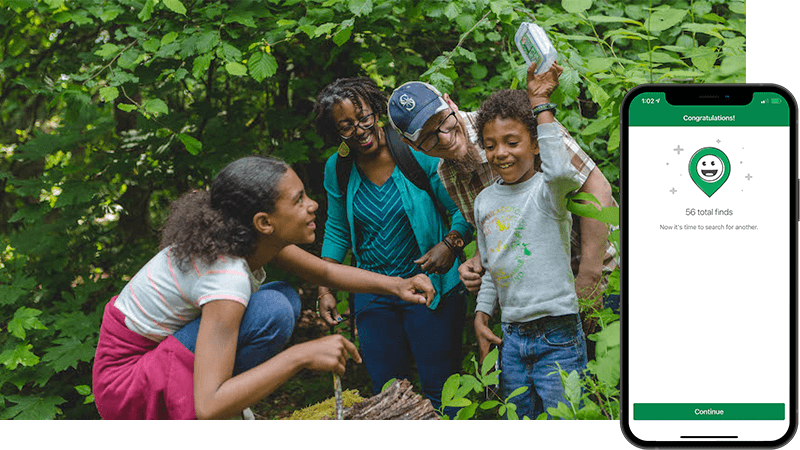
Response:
column 343, row 150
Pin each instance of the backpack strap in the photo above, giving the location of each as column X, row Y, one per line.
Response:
column 411, row 169
column 343, row 168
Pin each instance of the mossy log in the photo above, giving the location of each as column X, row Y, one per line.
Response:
column 397, row 402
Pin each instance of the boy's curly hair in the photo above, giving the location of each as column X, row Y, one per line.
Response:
column 353, row 89
column 206, row 225
column 508, row 104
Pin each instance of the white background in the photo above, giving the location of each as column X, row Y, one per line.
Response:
column 772, row 27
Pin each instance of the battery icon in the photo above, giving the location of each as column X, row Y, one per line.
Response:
column 775, row 101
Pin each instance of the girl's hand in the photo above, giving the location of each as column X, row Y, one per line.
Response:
column 417, row 289
column 328, row 354
column 327, row 309
column 439, row 259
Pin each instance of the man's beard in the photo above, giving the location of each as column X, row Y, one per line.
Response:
column 469, row 161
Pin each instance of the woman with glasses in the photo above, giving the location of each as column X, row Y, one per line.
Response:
column 392, row 228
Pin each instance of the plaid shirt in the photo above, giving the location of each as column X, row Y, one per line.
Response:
column 464, row 187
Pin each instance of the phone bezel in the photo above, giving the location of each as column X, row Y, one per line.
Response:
column 709, row 94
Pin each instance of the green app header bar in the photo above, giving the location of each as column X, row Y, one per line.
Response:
column 651, row 109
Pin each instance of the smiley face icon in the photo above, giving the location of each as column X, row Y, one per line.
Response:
column 710, row 168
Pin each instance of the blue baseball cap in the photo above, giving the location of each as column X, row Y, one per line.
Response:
column 411, row 105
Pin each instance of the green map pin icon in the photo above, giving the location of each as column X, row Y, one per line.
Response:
column 709, row 169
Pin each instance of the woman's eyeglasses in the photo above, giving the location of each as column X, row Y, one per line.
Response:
column 365, row 123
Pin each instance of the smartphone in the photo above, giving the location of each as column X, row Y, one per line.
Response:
column 709, row 265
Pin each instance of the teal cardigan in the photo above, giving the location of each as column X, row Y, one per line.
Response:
column 426, row 223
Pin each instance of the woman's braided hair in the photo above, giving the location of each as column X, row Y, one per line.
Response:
column 353, row 89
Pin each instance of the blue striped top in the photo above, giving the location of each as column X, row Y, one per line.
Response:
column 384, row 237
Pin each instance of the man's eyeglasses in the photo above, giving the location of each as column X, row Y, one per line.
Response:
column 365, row 123
column 432, row 139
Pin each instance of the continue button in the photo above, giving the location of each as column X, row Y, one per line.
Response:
column 709, row 411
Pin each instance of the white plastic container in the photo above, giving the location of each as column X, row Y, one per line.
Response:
column 534, row 45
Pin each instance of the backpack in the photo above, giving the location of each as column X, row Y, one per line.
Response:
column 404, row 160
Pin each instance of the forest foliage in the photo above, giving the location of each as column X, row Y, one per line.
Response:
column 110, row 109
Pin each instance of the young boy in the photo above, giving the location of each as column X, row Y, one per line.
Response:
column 523, row 237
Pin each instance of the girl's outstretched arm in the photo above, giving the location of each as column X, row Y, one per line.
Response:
column 352, row 279
column 217, row 395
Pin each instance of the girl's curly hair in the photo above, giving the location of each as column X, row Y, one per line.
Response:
column 508, row 104
column 353, row 89
column 206, row 225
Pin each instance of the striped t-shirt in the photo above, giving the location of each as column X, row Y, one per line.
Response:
column 384, row 238
column 162, row 298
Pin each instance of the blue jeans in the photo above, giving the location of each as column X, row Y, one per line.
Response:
column 392, row 331
column 529, row 355
column 266, row 326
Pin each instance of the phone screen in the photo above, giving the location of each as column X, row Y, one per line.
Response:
column 709, row 261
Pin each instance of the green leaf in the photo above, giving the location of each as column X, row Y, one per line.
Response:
column 737, row 7
column 518, row 391
column 243, row 17
column 572, row 388
column 612, row 19
column 151, row 45
column 452, row 10
column 599, row 96
column 236, row 69
column 599, row 64
column 147, row 10
column 25, row 319
column 613, row 138
column 387, row 384
column 663, row 18
column 733, row 64
column 576, row 6
column 176, row 6
column 207, row 41
column 324, row 29
column 598, row 125
column 568, row 83
column 32, row 408
column 450, row 387
column 478, row 71
column 168, row 38
column 192, row 145
column 489, row 361
column 360, row 7
column 20, row 355
column 156, row 106
column 200, row 65
column 109, row 93
column 489, row 404
column 68, row 353
column 229, row 52
column 467, row 412
column 704, row 60
column 262, row 65
column 456, row 402
column 127, row 107
column 107, row 50
column 710, row 29
column 83, row 389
